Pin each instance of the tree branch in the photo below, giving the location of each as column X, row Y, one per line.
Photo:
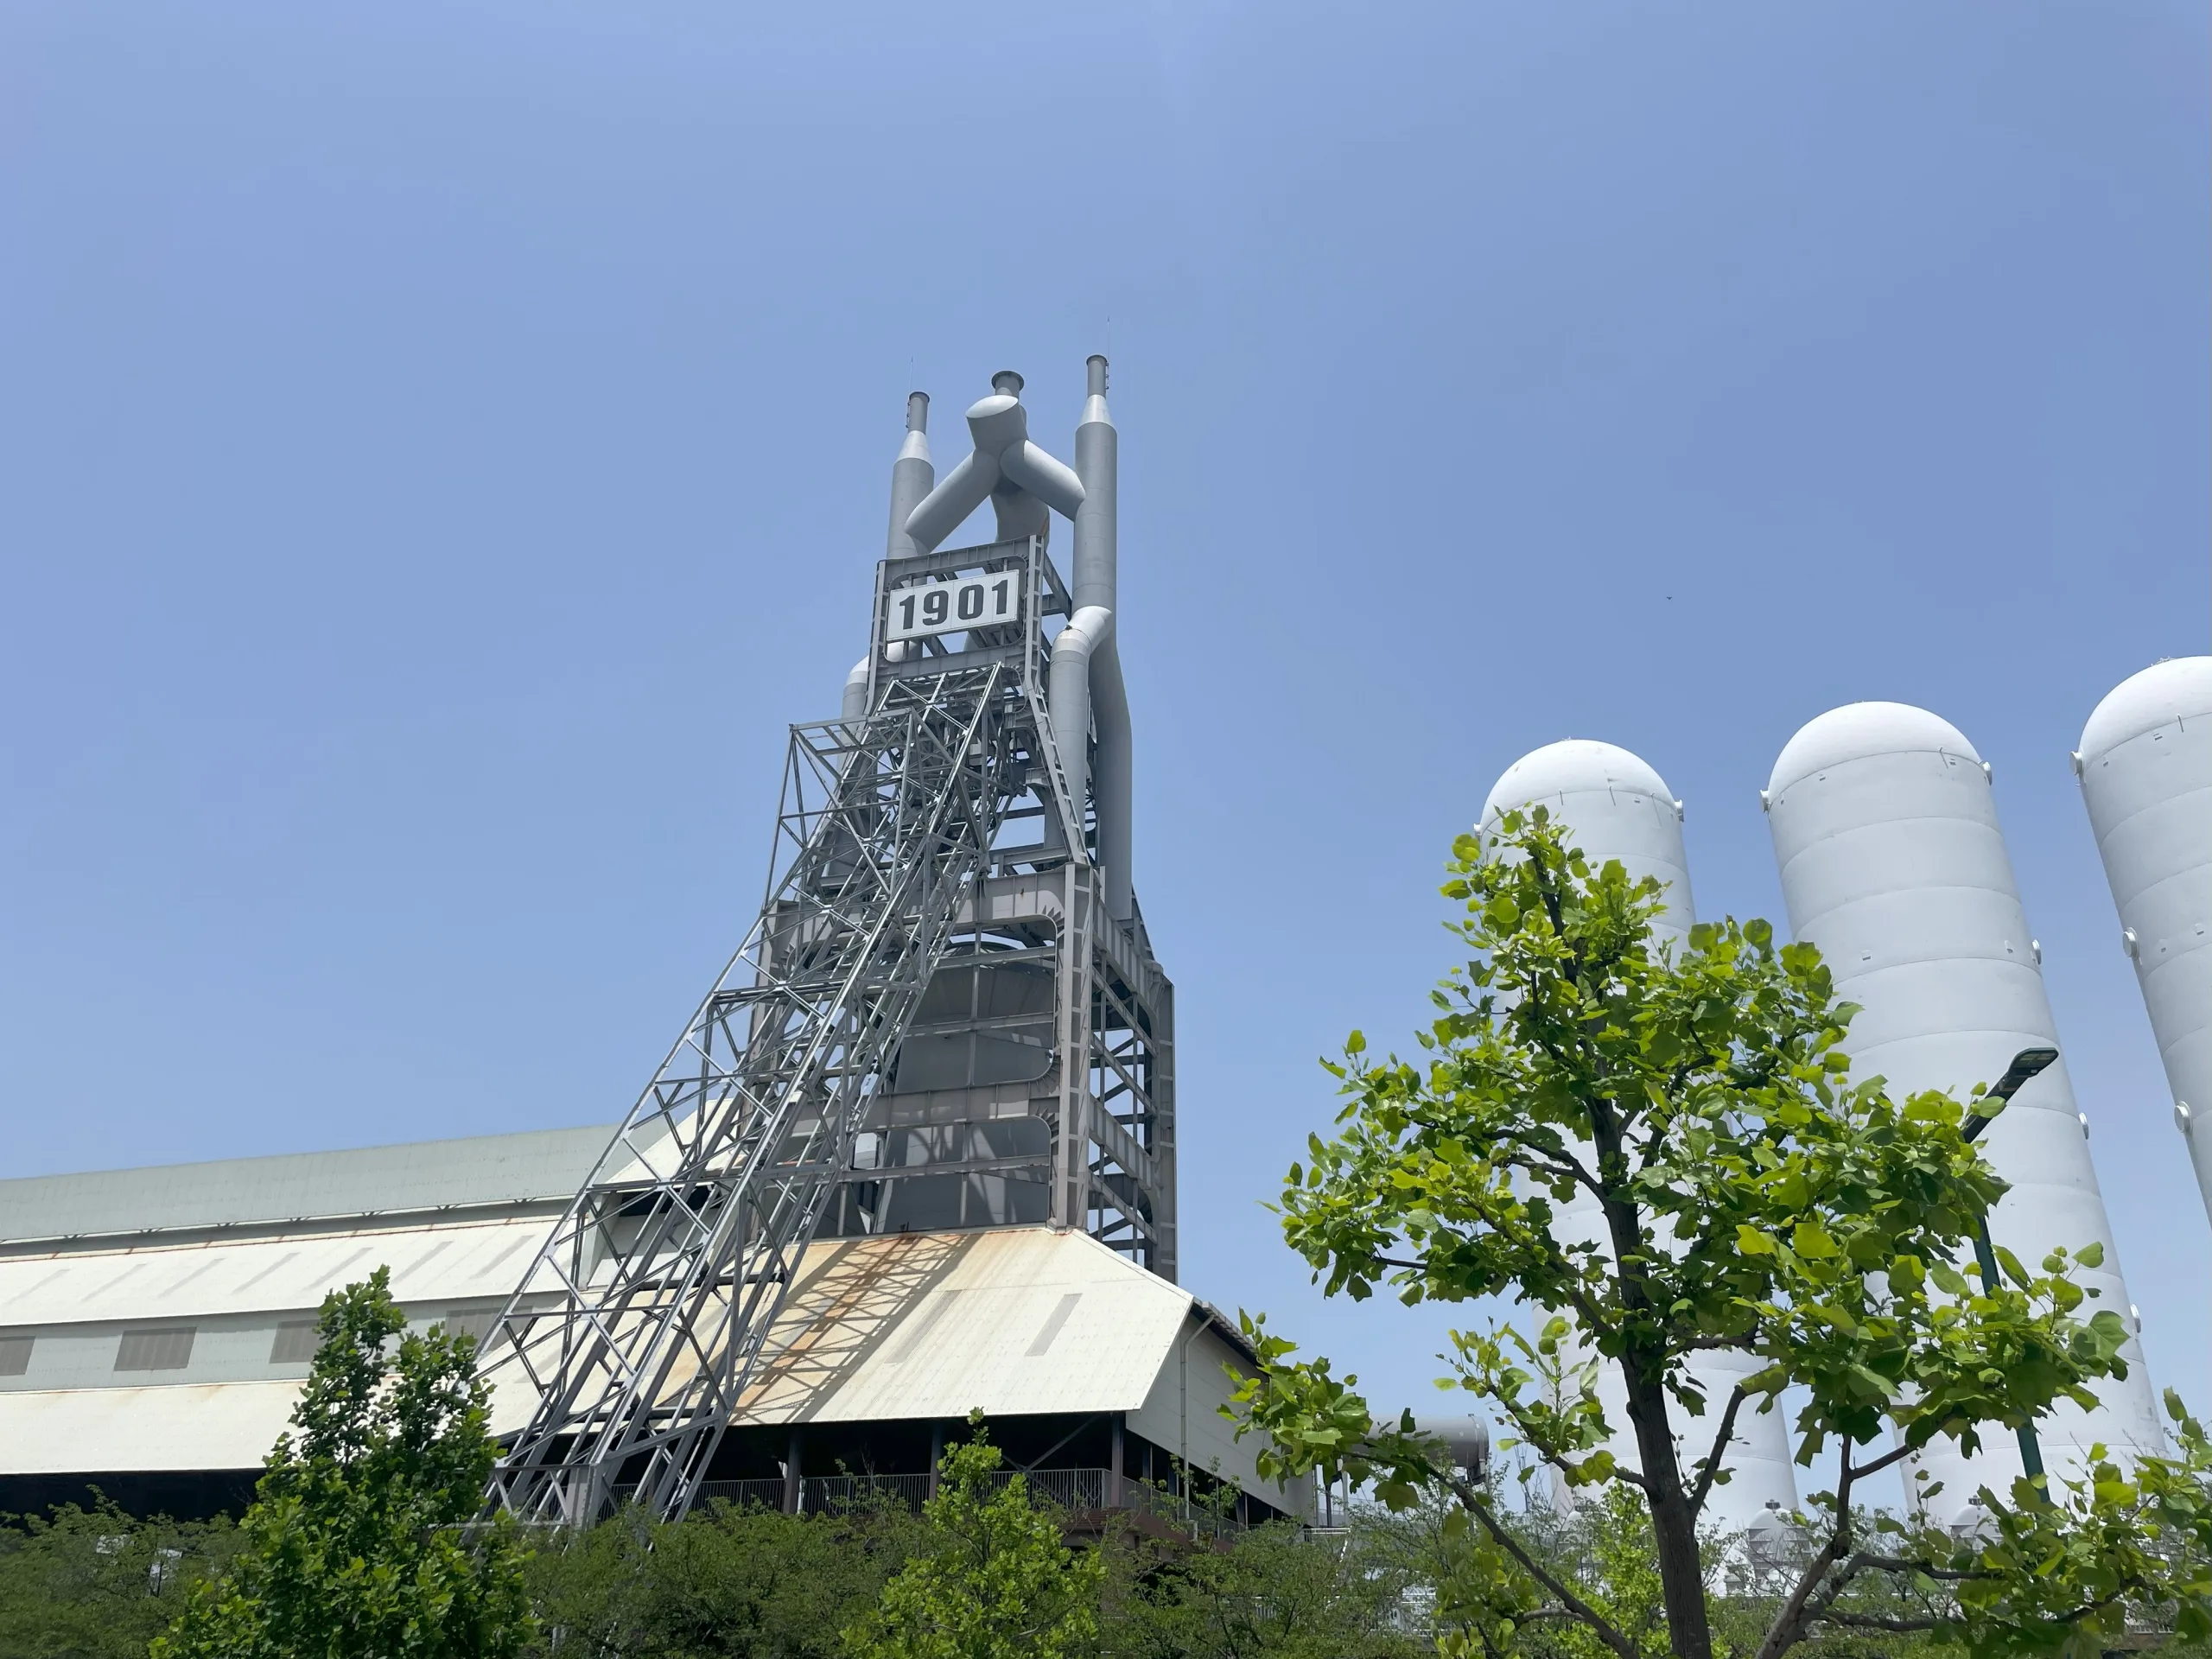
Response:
column 1569, row 1168
column 1576, row 1297
column 1473, row 1501
column 1558, row 1461
column 1788, row 1626
column 1896, row 1455
column 1704, row 1486
column 1825, row 1598
column 1902, row 1563
column 1542, row 1243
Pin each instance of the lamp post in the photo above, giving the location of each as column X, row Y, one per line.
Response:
column 2027, row 1064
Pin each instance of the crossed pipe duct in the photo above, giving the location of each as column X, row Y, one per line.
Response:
column 1024, row 485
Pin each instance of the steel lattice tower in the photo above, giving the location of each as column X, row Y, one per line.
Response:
column 937, row 1021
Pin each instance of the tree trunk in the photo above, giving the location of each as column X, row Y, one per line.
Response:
column 1674, row 1526
column 1674, row 1522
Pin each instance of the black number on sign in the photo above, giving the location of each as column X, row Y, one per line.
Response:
column 971, row 600
column 907, row 612
column 998, row 594
column 934, row 605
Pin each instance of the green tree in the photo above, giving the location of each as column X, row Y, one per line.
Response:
column 730, row 1582
column 1753, row 1199
column 360, row 1543
column 97, row 1584
column 993, row 1580
column 1605, row 1549
column 1270, row 1593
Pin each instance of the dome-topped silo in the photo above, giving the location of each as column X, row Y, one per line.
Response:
column 1892, row 863
column 1616, row 806
column 2145, row 766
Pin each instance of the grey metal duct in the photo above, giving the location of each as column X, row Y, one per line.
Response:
column 1096, row 579
column 1068, row 688
column 1022, row 482
column 913, row 476
column 1019, row 479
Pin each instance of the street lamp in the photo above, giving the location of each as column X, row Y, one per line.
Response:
column 2028, row 1063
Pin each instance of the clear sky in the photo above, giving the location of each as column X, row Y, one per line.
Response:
column 440, row 447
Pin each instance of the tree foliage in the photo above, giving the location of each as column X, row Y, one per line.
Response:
column 993, row 1581
column 725, row 1583
column 1271, row 1592
column 97, row 1584
column 1752, row 1198
column 359, row 1543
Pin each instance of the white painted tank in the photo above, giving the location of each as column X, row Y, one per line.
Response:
column 1617, row 807
column 1892, row 863
column 2146, row 766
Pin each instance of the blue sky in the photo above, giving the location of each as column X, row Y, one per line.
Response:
column 442, row 448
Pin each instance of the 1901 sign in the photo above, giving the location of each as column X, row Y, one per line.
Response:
column 953, row 606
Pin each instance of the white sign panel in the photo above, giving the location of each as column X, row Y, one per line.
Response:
column 954, row 606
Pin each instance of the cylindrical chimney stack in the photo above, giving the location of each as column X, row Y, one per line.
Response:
column 913, row 477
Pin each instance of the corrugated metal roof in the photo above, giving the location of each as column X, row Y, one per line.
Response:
column 450, row 1261
column 1016, row 1321
column 541, row 1164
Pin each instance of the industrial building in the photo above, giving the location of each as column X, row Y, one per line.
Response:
column 159, row 1323
column 911, row 1157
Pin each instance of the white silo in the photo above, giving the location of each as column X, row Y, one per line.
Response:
column 1892, row 863
column 2146, row 766
column 1616, row 806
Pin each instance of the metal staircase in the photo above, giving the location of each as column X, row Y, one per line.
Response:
column 642, row 1318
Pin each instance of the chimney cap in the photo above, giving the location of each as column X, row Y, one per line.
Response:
column 1006, row 382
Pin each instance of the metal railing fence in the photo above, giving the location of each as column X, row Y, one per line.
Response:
column 1078, row 1491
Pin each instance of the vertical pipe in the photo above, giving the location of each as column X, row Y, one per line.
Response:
column 1113, row 1487
column 1183, row 1418
column 1097, row 452
column 794, row 1451
column 1110, row 716
column 854, row 707
column 1068, row 694
column 913, row 476
column 1096, row 582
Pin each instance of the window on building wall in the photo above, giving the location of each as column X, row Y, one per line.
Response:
column 294, row 1345
column 15, row 1355
column 168, row 1349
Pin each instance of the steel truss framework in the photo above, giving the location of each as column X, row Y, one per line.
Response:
column 933, row 836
